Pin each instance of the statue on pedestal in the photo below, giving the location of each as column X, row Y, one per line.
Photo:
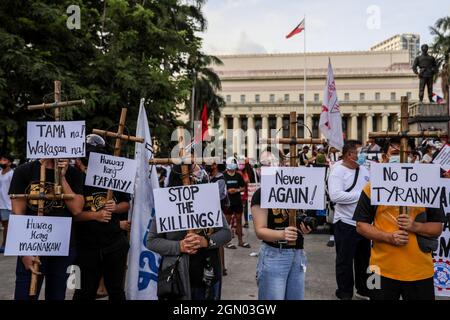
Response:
column 427, row 69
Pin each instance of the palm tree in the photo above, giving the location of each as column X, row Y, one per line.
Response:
column 441, row 48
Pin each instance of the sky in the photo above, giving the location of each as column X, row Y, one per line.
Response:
column 260, row 26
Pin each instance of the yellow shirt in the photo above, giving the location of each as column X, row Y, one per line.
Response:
column 404, row 263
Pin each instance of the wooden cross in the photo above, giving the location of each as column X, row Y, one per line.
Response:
column 293, row 141
column 57, row 194
column 118, row 136
column 56, row 106
column 404, row 134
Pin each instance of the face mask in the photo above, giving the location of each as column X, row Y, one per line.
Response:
column 2, row 165
column 208, row 168
column 361, row 159
column 232, row 166
column 394, row 159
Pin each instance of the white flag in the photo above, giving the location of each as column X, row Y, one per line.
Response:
column 330, row 119
column 143, row 264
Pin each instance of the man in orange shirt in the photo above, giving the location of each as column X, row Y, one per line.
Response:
column 401, row 251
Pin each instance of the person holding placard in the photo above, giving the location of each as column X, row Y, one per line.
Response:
column 196, row 254
column 401, row 254
column 54, row 269
column 102, row 246
column 6, row 174
column 345, row 183
column 280, row 273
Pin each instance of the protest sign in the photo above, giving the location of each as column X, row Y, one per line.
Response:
column 110, row 172
column 441, row 257
column 252, row 187
column 405, row 184
column 57, row 139
column 188, row 207
column 443, row 157
column 293, row 188
column 38, row 236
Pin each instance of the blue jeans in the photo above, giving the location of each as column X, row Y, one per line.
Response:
column 54, row 269
column 280, row 273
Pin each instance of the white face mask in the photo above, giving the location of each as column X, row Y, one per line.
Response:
column 394, row 159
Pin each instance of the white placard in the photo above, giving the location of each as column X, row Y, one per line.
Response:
column 293, row 188
column 443, row 157
column 188, row 207
column 57, row 139
column 38, row 236
column 405, row 184
column 441, row 257
column 109, row 172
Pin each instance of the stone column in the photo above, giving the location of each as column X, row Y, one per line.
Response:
column 369, row 124
column 384, row 121
column 308, row 123
column 251, row 137
column 279, row 129
column 236, row 134
column 354, row 128
column 223, row 124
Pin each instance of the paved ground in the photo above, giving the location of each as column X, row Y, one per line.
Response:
column 240, row 282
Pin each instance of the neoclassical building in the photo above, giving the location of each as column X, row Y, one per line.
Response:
column 261, row 90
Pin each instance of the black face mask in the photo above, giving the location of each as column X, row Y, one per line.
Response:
column 3, row 165
column 208, row 168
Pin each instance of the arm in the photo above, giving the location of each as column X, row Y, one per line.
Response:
column 415, row 65
column 76, row 204
column 100, row 216
column 370, row 232
column 337, row 191
column 19, row 206
column 159, row 244
column 430, row 229
column 270, row 235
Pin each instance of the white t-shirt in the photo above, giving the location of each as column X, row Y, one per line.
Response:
column 341, row 178
column 5, row 181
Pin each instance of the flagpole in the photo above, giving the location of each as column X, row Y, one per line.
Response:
column 304, row 79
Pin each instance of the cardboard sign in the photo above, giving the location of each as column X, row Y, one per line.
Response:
column 57, row 139
column 292, row 188
column 38, row 236
column 405, row 184
column 443, row 157
column 441, row 257
column 188, row 207
column 109, row 172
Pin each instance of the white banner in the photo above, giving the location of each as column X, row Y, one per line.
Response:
column 405, row 184
column 441, row 256
column 57, row 139
column 38, row 236
column 143, row 264
column 188, row 207
column 109, row 172
column 292, row 188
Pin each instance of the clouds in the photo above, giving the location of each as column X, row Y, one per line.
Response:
column 259, row 26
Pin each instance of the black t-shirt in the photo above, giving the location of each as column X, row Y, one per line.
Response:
column 95, row 234
column 25, row 180
column 277, row 219
column 198, row 262
column 234, row 182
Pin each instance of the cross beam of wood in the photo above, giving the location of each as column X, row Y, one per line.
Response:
column 293, row 141
column 186, row 160
column 404, row 134
column 118, row 136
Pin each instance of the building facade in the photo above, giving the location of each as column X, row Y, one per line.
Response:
column 261, row 90
column 404, row 41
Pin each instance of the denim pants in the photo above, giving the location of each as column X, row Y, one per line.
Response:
column 280, row 273
column 53, row 269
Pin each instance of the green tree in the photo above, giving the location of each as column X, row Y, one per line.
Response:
column 441, row 48
column 124, row 50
